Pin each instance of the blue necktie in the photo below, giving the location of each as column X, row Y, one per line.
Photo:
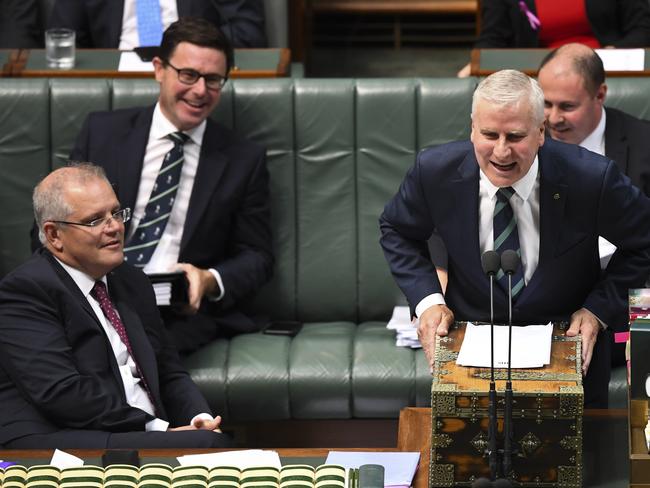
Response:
column 506, row 236
column 149, row 23
column 140, row 248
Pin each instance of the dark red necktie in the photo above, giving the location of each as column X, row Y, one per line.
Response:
column 100, row 294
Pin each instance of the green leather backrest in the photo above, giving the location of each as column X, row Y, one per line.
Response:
column 337, row 151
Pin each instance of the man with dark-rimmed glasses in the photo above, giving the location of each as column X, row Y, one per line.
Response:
column 198, row 191
column 85, row 361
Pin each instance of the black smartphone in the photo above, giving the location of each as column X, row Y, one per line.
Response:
column 283, row 327
column 147, row 53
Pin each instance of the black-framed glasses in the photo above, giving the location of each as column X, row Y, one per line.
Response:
column 189, row 76
column 122, row 216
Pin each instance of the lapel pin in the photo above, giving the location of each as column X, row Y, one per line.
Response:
column 556, row 196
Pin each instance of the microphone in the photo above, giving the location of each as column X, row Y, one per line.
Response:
column 490, row 262
column 509, row 264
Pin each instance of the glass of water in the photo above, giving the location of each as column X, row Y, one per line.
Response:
column 59, row 48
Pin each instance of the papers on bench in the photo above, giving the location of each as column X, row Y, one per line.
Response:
column 130, row 61
column 249, row 458
column 622, row 59
column 405, row 330
column 531, row 346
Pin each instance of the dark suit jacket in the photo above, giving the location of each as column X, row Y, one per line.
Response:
column 20, row 24
column 58, row 370
column 626, row 142
column 617, row 23
column 98, row 23
column 582, row 196
column 227, row 226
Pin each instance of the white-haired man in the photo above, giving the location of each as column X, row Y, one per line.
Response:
column 510, row 188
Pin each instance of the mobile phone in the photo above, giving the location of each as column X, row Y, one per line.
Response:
column 283, row 327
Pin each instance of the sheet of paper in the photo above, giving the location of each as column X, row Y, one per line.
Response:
column 406, row 331
column 163, row 293
column 531, row 346
column 400, row 467
column 63, row 460
column 130, row 61
column 622, row 59
column 248, row 458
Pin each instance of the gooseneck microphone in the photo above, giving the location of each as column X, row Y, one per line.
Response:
column 491, row 262
column 509, row 263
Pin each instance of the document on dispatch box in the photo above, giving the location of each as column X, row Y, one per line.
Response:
column 531, row 346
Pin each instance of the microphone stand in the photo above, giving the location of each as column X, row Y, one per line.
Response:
column 492, row 409
column 491, row 261
column 508, row 433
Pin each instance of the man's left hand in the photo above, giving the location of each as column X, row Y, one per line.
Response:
column 585, row 323
column 201, row 424
column 200, row 281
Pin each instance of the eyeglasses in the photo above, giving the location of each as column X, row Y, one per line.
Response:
column 189, row 76
column 122, row 216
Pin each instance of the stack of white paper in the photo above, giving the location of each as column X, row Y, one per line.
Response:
column 531, row 346
column 249, row 458
column 130, row 61
column 163, row 293
column 405, row 329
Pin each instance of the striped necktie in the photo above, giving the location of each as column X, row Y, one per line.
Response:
column 149, row 23
column 506, row 236
column 140, row 248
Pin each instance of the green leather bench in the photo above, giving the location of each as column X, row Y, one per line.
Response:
column 337, row 150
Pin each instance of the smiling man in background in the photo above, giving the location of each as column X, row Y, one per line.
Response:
column 199, row 192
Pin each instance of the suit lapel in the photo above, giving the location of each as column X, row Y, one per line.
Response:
column 212, row 163
column 465, row 191
column 616, row 146
column 130, row 157
column 142, row 351
column 72, row 287
column 552, row 200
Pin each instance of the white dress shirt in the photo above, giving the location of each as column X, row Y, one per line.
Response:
column 134, row 391
column 595, row 142
column 525, row 207
column 130, row 37
column 165, row 256
column 136, row 395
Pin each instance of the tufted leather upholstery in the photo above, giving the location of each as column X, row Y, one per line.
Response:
column 337, row 150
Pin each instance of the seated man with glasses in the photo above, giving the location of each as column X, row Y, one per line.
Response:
column 199, row 192
column 85, row 361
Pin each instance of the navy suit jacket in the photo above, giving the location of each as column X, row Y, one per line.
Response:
column 58, row 370
column 98, row 23
column 227, row 226
column 623, row 23
column 582, row 196
column 626, row 142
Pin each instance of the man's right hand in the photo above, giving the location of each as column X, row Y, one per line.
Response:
column 435, row 321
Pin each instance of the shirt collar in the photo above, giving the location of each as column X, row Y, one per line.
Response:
column 522, row 187
column 161, row 127
column 81, row 279
column 595, row 141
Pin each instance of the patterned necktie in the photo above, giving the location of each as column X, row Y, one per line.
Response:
column 506, row 236
column 149, row 23
column 100, row 294
column 140, row 248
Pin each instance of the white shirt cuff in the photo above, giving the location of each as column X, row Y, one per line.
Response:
column 219, row 281
column 201, row 416
column 156, row 425
column 429, row 301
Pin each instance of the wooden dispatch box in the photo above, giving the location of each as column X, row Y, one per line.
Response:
column 547, row 417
